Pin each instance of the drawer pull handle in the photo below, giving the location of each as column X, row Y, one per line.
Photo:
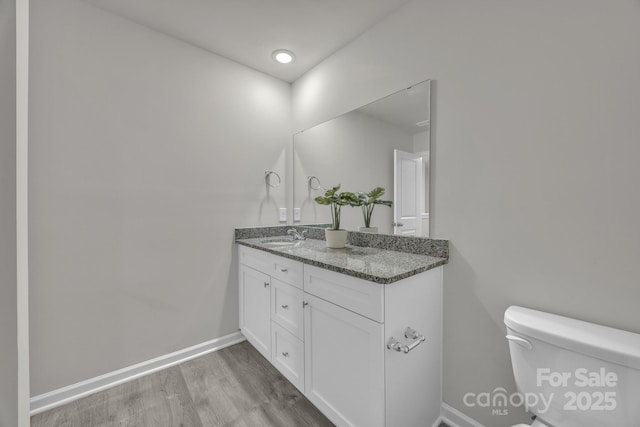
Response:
column 410, row 333
column 284, row 270
column 285, row 353
column 266, row 284
column 285, row 306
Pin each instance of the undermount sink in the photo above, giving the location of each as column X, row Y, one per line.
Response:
column 279, row 241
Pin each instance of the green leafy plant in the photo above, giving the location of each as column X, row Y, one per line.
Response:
column 369, row 200
column 336, row 201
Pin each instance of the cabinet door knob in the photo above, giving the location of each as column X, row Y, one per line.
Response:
column 266, row 284
column 285, row 306
column 304, row 304
column 285, row 353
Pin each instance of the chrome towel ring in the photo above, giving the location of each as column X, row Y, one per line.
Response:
column 267, row 178
column 310, row 183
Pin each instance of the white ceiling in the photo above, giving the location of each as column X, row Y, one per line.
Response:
column 248, row 31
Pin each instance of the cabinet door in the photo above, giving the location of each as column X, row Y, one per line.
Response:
column 255, row 309
column 344, row 364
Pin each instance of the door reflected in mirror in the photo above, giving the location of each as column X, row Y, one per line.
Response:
column 383, row 144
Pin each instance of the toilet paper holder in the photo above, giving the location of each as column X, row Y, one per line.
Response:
column 409, row 333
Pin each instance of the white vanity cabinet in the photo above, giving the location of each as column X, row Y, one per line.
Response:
column 336, row 342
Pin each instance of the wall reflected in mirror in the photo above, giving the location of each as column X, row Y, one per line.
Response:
column 382, row 144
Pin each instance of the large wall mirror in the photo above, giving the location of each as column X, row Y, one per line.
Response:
column 382, row 144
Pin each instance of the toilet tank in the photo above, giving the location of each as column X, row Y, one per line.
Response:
column 571, row 373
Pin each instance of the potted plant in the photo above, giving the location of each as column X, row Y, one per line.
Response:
column 335, row 236
column 368, row 201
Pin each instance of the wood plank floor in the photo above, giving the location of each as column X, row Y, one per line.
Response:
column 235, row 386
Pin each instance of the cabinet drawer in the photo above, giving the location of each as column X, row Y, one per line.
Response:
column 286, row 307
column 360, row 296
column 287, row 270
column 288, row 355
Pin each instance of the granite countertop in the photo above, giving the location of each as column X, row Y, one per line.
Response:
column 373, row 264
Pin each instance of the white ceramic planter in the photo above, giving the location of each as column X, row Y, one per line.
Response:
column 368, row 229
column 336, row 239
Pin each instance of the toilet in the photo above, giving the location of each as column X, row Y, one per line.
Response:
column 571, row 373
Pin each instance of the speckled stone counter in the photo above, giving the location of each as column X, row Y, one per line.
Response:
column 369, row 263
column 414, row 245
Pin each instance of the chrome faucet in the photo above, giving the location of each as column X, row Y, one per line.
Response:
column 296, row 235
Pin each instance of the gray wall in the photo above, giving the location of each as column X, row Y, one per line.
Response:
column 535, row 161
column 145, row 153
column 8, row 296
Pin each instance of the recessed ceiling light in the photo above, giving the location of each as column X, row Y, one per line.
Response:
column 283, row 56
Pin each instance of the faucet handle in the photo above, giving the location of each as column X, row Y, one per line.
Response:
column 296, row 234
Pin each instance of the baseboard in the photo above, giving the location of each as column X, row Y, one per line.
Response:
column 61, row 396
column 454, row 418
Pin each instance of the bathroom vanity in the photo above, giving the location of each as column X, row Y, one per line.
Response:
column 358, row 330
